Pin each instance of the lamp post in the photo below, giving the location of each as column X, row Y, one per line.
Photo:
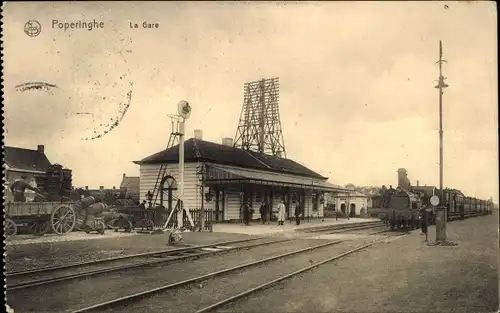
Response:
column 184, row 110
column 441, row 208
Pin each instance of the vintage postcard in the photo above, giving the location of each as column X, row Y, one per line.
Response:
column 227, row 156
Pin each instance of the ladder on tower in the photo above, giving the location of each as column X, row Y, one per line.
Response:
column 174, row 138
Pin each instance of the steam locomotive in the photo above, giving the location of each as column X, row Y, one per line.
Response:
column 403, row 207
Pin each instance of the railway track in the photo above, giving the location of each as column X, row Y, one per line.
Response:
column 48, row 275
column 261, row 287
column 456, row 216
column 369, row 225
column 342, row 227
column 174, row 291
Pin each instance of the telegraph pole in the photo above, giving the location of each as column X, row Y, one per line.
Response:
column 441, row 208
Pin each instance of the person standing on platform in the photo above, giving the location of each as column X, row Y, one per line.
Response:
column 425, row 220
column 281, row 212
column 246, row 213
column 263, row 211
column 298, row 212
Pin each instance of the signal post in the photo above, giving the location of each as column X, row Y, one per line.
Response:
column 441, row 212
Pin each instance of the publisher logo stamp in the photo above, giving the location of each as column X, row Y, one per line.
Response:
column 32, row 28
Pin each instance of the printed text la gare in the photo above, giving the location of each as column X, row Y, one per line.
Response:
column 145, row 24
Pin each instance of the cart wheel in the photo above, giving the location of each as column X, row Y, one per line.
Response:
column 40, row 227
column 63, row 219
column 101, row 227
column 113, row 224
column 128, row 229
column 9, row 228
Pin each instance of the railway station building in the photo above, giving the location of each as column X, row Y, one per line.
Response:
column 222, row 177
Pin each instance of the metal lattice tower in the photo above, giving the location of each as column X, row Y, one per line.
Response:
column 259, row 128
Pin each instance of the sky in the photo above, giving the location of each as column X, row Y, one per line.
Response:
column 357, row 96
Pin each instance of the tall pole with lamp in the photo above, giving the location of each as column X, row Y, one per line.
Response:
column 184, row 110
column 441, row 208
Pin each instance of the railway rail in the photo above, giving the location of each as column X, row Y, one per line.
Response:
column 49, row 275
column 44, row 277
column 133, row 299
column 348, row 226
column 270, row 283
column 351, row 227
column 53, row 274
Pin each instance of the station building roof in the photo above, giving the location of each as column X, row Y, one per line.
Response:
column 200, row 150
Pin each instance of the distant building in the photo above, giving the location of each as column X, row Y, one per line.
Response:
column 225, row 177
column 19, row 162
column 349, row 203
column 131, row 186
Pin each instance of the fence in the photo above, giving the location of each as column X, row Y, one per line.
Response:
column 160, row 215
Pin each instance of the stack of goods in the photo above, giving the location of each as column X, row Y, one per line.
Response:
column 67, row 182
column 81, row 214
column 58, row 183
column 40, row 181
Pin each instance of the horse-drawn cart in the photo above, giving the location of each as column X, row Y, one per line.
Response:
column 40, row 217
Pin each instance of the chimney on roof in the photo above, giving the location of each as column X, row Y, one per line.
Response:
column 114, row 187
column 198, row 134
column 101, row 187
column 40, row 148
column 86, row 187
column 227, row 141
column 123, row 175
column 417, row 183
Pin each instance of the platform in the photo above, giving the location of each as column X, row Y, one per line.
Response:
column 256, row 228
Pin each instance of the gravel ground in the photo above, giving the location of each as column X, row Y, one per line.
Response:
column 120, row 262
column 405, row 275
column 77, row 294
column 28, row 256
column 219, row 288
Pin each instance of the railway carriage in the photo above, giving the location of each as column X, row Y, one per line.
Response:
column 452, row 200
column 467, row 204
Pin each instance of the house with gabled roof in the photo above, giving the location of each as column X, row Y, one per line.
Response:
column 224, row 177
column 131, row 186
column 30, row 163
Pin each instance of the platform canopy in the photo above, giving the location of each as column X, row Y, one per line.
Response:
column 222, row 174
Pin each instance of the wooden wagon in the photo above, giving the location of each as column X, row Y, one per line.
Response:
column 40, row 217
